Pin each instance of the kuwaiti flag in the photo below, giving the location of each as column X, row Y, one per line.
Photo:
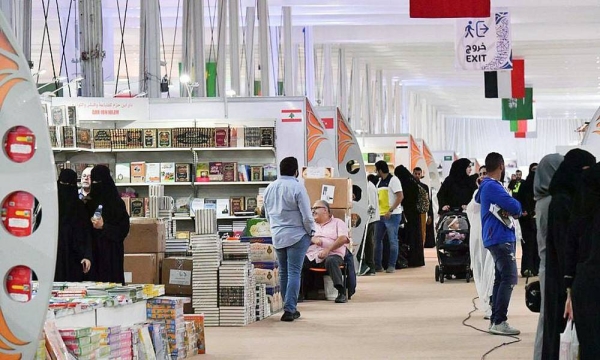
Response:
column 506, row 84
column 449, row 9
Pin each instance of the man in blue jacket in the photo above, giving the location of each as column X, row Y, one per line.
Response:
column 498, row 209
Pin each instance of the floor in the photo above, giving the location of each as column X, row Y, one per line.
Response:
column 405, row 315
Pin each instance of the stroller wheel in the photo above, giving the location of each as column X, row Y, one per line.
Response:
column 468, row 277
column 442, row 277
column 437, row 273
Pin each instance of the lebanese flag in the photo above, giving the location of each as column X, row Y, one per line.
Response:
column 498, row 84
column 449, row 9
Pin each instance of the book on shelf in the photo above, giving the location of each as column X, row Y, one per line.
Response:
column 122, row 173
column 118, row 138
column 182, row 172
column 71, row 115
column 230, row 171
column 54, row 137
column 163, row 138
column 138, row 172
column 83, row 138
column 134, row 138
column 182, row 206
column 223, row 209
column 138, row 207
column 202, row 172
column 252, row 137
column 269, row 172
column 59, row 116
column 222, row 137
column 167, row 172
column 215, row 171
column 153, row 173
column 267, row 136
column 236, row 137
column 101, row 139
column 237, row 204
column 210, row 204
column 250, row 203
column 127, row 202
column 68, row 136
column 149, row 138
column 256, row 173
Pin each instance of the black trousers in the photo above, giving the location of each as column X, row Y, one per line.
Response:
column 332, row 264
column 531, row 259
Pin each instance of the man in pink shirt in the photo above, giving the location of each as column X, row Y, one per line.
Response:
column 327, row 247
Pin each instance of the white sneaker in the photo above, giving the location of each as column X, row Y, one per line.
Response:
column 503, row 329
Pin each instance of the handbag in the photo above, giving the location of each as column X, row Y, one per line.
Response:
column 533, row 296
column 569, row 343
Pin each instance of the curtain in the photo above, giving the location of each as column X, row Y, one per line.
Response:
column 475, row 138
column 424, row 122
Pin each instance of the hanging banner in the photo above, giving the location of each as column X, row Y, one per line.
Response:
column 484, row 43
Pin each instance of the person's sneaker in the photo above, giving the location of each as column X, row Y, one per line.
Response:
column 296, row 315
column 503, row 329
column 390, row 270
column 341, row 298
column 371, row 273
column 287, row 316
column 379, row 269
column 364, row 270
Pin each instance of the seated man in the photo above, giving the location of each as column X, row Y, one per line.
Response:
column 327, row 248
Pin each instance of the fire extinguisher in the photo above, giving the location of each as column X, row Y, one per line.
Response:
column 19, row 144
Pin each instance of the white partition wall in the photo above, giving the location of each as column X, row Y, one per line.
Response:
column 27, row 166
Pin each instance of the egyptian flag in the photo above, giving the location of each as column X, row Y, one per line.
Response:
column 506, row 84
column 449, row 9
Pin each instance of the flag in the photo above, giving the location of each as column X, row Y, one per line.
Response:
column 525, row 128
column 516, row 109
column 211, row 79
column 449, row 9
column 498, row 84
column 518, row 79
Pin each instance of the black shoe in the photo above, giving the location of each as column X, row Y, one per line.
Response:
column 287, row 316
column 296, row 315
column 341, row 298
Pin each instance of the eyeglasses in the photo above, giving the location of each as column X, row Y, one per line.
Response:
column 318, row 207
column 97, row 182
column 85, row 176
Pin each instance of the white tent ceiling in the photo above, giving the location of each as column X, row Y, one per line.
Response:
column 559, row 40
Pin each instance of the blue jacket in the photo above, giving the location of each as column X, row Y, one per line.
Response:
column 493, row 230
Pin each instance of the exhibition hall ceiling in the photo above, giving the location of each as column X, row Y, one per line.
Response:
column 559, row 40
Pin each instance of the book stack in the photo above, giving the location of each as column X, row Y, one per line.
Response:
column 81, row 342
column 206, row 250
column 206, row 221
column 262, row 303
column 198, row 321
column 170, row 310
column 111, row 337
column 237, row 294
column 179, row 242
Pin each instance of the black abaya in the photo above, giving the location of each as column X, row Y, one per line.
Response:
column 412, row 227
column 530, row 260
column 108, row 249
column 458, row 188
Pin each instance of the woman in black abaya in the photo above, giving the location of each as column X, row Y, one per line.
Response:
column 530, row 261
column 412, row 228
column 563, row 188
column 74, row 231
column 110, row 231
column 582, row 266
column 458, row 188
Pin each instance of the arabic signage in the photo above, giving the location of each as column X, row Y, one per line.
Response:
column 106, row 109
column 484, row 43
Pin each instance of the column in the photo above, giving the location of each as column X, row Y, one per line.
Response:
column 342, row 93
column 250, row 71
column 274, row 59
column 380, row 123
column 309, row 64
column 263, row 31
column 197, row 70
column 327, row 77
column 90, row 19
column 368, row 101
column 289, row 85
column 354, row 116
column 222, row 49
column 234, row 44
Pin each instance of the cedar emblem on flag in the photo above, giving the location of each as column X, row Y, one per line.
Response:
column 431, row 9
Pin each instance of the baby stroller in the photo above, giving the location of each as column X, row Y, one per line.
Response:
column 452, row 246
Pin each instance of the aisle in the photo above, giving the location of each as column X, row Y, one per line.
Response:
column 406, row 315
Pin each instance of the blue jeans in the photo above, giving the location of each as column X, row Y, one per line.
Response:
column 390, row 225
column 290, row 260
column 505, row 280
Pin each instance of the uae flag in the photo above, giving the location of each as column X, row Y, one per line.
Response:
column 449, row 9
column 506, row 84
column 518, row 109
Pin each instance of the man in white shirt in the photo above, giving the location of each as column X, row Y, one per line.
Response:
column 390, row 196
column 368, row 261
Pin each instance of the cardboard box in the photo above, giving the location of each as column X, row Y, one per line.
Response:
column 336, row 191
column 143, row 268
column 145, row 236
column 177, row 275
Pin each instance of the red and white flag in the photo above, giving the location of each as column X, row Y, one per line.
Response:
column 291, row 115
column 449, row 9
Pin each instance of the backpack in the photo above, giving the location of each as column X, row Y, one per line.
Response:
column 422, row 200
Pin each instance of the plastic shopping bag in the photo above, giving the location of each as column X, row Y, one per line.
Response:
column 569, row 344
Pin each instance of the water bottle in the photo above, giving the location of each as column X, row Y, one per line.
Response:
column 97, row 213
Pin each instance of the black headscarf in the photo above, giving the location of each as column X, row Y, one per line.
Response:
column 458, row 171
column 458, row 188
column 410, row 188
column 568, row 175
column 103, row 191
column 67, row 193
column 525, row 193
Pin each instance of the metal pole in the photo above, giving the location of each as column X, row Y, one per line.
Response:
column 327, row 76
column 196, row 43
column 309, row 61
column 368, row 97
column 342, row 97
column 90, row 32
column 222, row 49
column 250, row 73
column 234, row 44
column 289, row 85
column 355, row 88
column 380, row 117
column 150, row 48
column 263, row 30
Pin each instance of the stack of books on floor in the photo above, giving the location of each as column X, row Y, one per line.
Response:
column 237, row 286
column 238, row 226
column 263, row 310
column 170, row 311
column 206, row 250
column 206, row 221
column 266, row 267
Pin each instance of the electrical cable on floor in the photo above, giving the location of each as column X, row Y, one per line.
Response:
column 464, row 322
